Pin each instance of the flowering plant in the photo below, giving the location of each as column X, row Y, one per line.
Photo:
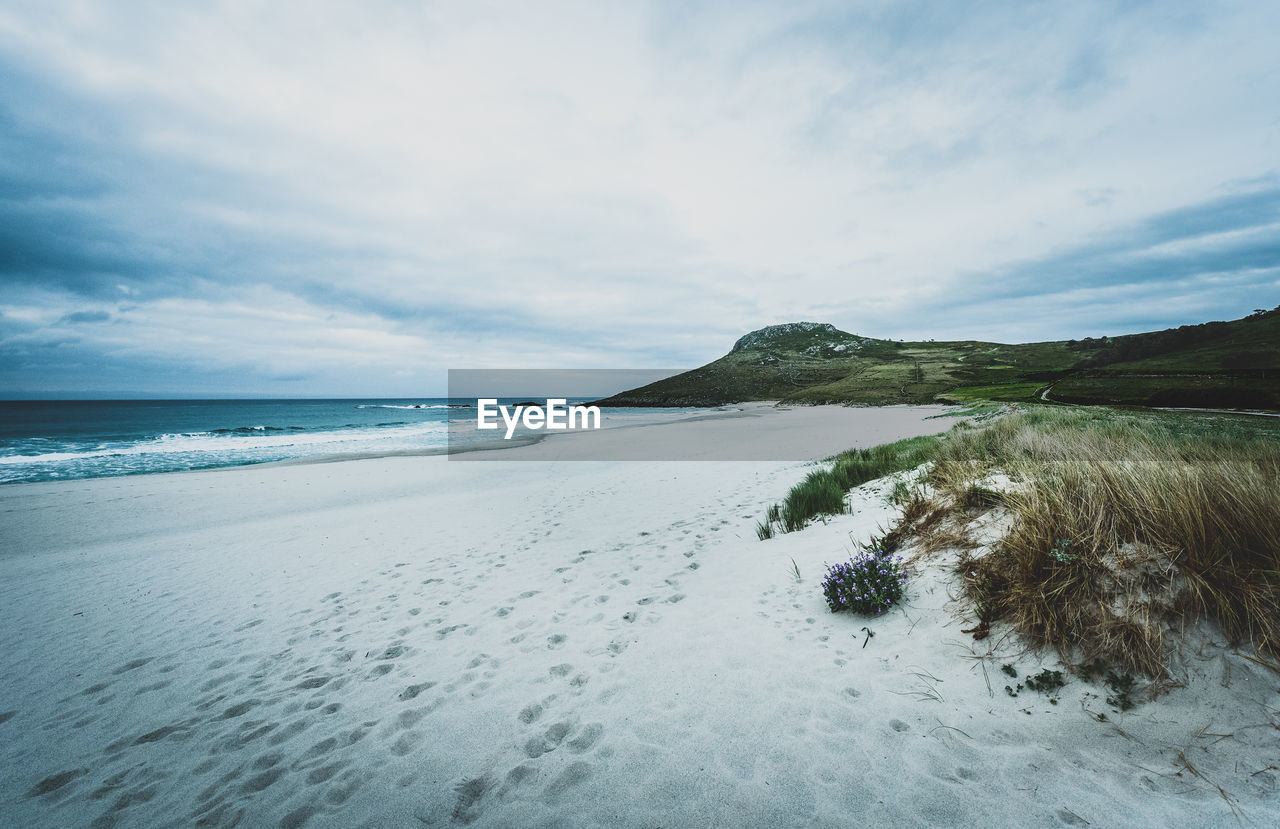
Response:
column 870, row 582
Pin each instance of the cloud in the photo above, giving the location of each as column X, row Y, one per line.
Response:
column 275, row 197
column 86, row 316
column 1234, row 234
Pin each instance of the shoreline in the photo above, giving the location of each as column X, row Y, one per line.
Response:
column 488, row 449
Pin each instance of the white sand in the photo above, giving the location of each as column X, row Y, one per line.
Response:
column 419, row 641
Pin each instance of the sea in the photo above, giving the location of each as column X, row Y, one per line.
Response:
column 44, row 440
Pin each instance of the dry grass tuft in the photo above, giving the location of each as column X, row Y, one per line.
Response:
column 923, row 520
column 1120, row 525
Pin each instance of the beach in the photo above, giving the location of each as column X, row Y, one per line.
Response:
column 520, row 640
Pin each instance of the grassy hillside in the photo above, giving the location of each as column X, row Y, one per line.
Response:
column 1218, row 364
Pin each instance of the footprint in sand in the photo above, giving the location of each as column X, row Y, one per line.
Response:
column 548, row 740
column 413, row 690
column 346, row 785
column 299, row 817
column 323, row 773
column 405, row 743
column 517, row 777
column 54, row 782
column 481, row 659
column 312, row 683
column 586, row 738
column 470, row 793
column 160, row 734
column 239, row 709
column 573, row 775
column 290, row 731
column 133, row 665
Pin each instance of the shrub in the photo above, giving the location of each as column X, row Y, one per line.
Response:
column 1121, row 685
column 868, row 583
column 1046, row 682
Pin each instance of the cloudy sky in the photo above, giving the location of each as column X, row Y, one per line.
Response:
column 348, row 199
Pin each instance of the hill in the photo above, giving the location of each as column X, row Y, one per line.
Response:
column 1215, row 364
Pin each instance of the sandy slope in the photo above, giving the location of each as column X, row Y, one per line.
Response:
column 418, row 641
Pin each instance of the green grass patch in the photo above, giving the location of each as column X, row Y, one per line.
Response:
column 979, row 410
column 823, row 492
column 818, row 494
column 1003, row 392
column 857, row 466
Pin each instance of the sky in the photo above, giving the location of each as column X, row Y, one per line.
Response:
column 349, row 199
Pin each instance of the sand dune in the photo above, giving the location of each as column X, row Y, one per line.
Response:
column 418, row 641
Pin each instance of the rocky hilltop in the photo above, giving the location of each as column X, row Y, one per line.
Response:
column 814, row 338
column 770, row 363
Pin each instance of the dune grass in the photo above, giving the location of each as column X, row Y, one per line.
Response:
column 1120, row 525
column 824, row 491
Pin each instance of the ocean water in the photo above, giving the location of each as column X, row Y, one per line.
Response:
column 67, row 439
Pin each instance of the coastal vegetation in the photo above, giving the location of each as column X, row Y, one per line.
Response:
column 1097, row 532
column 824, row 491
column 1119, row 526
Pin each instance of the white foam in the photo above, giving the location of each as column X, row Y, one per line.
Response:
column 248, row 443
